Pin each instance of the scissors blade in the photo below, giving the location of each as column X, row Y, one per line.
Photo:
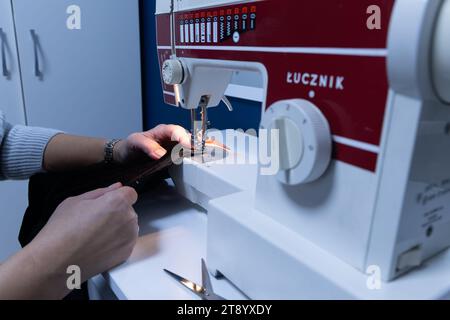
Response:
column 193, row 287
column 206, row 280
column 207, row 285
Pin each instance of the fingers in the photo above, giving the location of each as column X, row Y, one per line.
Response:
column 172, row 133
column 151, row 142
column 99, row 192
column 125, row 195
column 180, row 135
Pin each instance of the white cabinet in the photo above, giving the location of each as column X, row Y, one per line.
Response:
column 70, row 65
column 11, row 100
column 80, row 64
column 13, row 195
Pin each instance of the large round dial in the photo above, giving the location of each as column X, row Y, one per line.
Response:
column 304, row 140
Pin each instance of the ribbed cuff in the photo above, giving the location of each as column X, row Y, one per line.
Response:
column 23, row 150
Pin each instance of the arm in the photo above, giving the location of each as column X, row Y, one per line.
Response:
column 22, row 149
column 66, row 152
column 26, row 150
column 20, row 278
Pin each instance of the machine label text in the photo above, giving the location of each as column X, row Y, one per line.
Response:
column 316, row 80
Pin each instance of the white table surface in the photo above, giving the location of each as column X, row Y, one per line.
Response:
column 172, row 236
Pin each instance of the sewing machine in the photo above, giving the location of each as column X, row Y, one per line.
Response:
column 355, row 102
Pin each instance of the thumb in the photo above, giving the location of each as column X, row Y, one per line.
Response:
column 154, row 150
column 99, row 192
column 124, row 194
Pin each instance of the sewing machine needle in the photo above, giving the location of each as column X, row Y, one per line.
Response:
column 194, row 131
column 204, row 125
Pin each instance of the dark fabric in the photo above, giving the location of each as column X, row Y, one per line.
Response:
column 47, row 190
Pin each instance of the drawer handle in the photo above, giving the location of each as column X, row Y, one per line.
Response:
column 5, row 71
column 37, row 67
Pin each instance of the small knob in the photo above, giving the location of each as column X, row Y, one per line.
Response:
column 173, row 72
column 291, row 143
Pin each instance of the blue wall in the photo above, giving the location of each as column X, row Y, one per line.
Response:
column 246, row 114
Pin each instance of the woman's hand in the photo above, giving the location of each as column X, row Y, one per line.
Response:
column 95, row 231
column 152, row 143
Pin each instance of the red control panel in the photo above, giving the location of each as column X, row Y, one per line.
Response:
column 323, row 51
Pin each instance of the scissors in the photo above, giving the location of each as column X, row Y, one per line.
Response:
column 205, row 291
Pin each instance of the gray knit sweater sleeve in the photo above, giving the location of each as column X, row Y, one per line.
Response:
column 22, row 149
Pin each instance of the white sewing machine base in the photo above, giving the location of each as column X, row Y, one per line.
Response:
column 269, row 261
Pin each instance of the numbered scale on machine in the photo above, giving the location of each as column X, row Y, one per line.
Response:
column 216, row 26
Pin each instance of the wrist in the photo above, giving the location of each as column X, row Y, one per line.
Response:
column 45, row 259
column 46, row 269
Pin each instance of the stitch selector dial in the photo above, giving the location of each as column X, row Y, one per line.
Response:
column 304, row 140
